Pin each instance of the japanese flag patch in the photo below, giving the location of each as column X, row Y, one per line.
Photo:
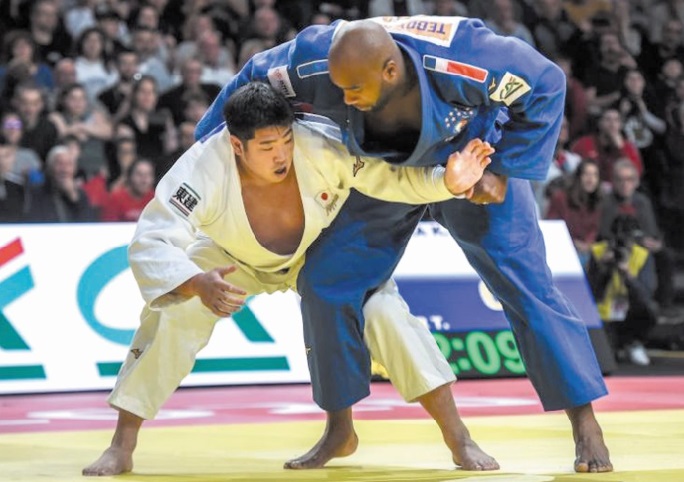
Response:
column 327, row 200
column 185, row 199
column 510, row 88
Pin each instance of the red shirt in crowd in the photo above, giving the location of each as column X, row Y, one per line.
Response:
column 123, row 206
column 588, row 147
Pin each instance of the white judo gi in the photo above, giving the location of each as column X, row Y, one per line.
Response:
column 197, row 222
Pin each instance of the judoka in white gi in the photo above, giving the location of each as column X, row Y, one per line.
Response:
column 234, row 217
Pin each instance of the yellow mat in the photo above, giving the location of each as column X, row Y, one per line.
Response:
column 645, row 446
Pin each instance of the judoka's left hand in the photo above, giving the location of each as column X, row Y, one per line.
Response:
column 491, row 189
column 465, row 168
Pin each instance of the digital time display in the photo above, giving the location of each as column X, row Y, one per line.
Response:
column 480, row 354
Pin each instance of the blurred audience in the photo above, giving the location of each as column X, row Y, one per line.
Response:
column 60, row 199
column 127, row 201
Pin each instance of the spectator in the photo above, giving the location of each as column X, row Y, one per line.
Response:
column 12, row 191
column 670, row 46
column 625, row 199
column 630, row 35
column 76, row 116
column 605, row 78
column 125, row 154
column 27, row 165
column 553, row 31
column 575, row 100
column 19, row 48
column 502, row 20
column 60, row 200
column 622, row 280
column 64, row 75
column 175, row 100
column 607, row 145
column 579, row 205
column 127, row 202
column 217, row 66
column 662, row 12
column 80, row 17
column 195, row 25
column 117, row 98
column 52, row 39
column 147, row 45
column 186, row 138
column 116, row 33
column 40, row 134
column 152, row 130
column 644, row 126
column 93, row 71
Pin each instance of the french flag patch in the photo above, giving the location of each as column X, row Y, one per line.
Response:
column 452, row 67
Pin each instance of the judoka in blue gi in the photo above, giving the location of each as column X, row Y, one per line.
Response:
column 412, row 90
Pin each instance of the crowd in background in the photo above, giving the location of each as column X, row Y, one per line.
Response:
column 98, row 98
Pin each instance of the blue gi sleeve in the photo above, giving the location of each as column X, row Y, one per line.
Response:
column 528, row 87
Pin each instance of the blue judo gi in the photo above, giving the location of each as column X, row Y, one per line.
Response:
column 473, row 84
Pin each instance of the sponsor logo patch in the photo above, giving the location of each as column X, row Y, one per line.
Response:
column 185, row 199
column 451, row 67
column 280, row 79
column 436, row 30
column 510, row 88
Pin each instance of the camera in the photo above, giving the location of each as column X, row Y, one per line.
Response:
column 625, row 231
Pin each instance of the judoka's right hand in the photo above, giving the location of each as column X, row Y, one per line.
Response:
column 465, row 168
column 221, row 297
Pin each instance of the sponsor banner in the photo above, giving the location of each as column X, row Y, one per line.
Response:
column 69, row 306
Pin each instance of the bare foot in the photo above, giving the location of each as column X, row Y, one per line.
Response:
column 439, row 403
column 469, row 456
column 591, row 452
column 113, row 461
column 338, row 440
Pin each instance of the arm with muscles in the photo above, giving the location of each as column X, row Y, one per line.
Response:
column 531, row 87
column 420, row 185
column 186, row 198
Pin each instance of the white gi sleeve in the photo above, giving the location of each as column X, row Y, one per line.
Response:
column 189, row 196
column 375, row 177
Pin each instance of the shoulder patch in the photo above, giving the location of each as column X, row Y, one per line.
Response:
column 510, row 88
column 185, row 199
column 451, row 67
column 280, row 79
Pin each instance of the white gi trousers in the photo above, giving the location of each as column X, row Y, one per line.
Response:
column 165, row 346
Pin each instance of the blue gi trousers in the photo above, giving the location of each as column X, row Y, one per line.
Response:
column 503, row 243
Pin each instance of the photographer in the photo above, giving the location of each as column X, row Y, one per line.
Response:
column 625, row 198
column 622, row 278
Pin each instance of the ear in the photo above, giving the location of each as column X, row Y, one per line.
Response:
column 391, row 71
column 238, row 148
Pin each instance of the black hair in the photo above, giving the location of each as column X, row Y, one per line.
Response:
column 254, row 106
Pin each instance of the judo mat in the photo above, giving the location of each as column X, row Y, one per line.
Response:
column 246, row 433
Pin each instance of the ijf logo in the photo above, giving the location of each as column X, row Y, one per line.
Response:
column 13, row 287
